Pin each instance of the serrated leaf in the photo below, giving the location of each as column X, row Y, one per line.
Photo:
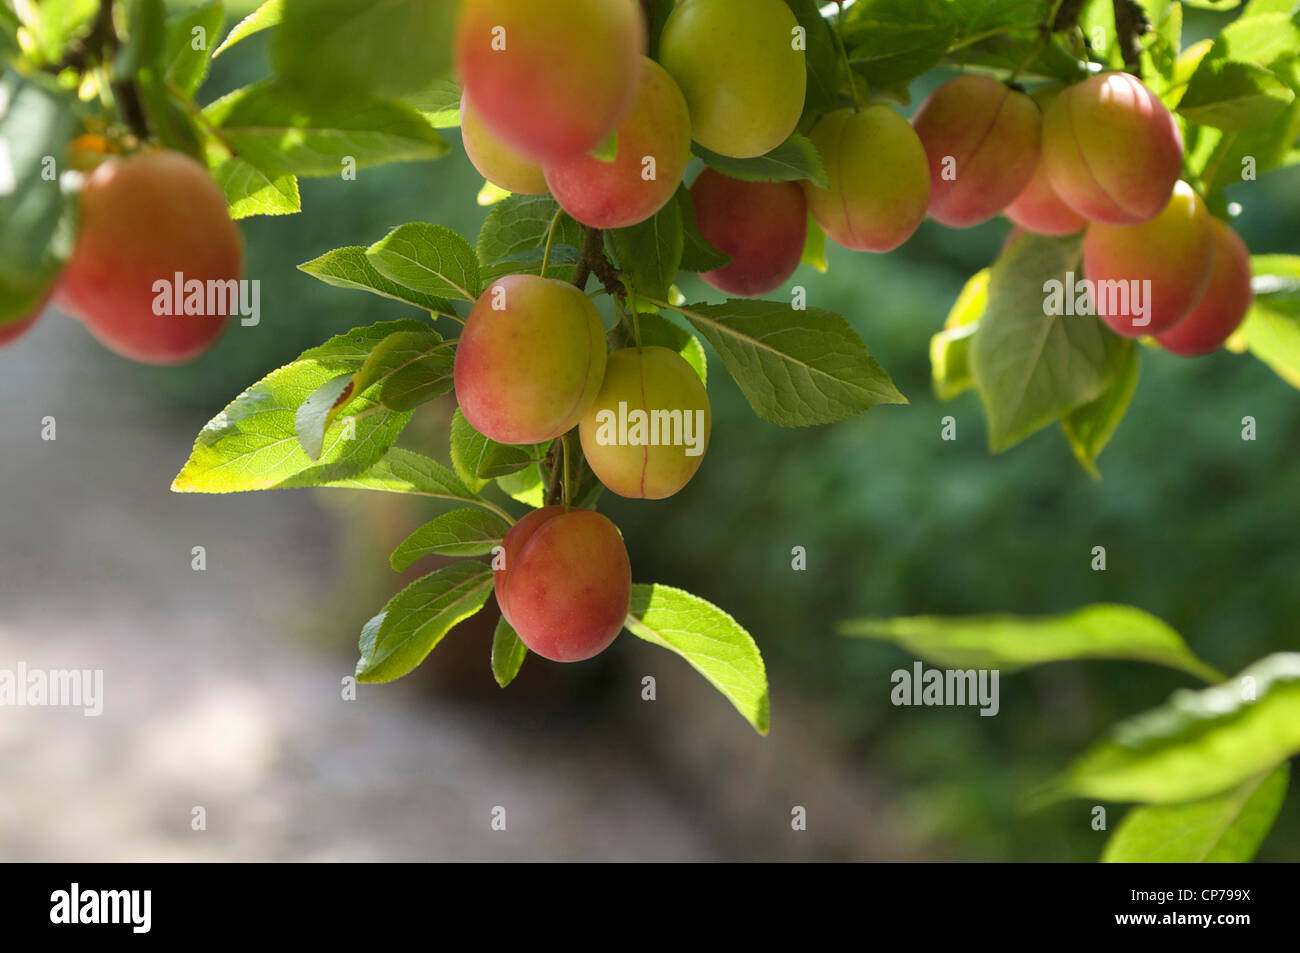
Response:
column 185, row 67
column 650, row 252
column 1224, row 829
column 796, row 368
column 793, row 160
column 1089, row 428
column 1234, row 96
column 1032, row 368
column 350, row 268
column 253, row 443
column 1198, row 743
column 417, row 618
column 264, row 17
column 407, row 369
column 521, row 223
column 465, row 532
column 353, row 348
column 404, row 471
column 709, row 639
column 280, row 133
column 1011, row 643
column 249, row 192
column 508, row 653
column 429, row 259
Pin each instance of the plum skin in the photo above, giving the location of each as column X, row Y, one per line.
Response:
column 146, row 218
column 566, row 584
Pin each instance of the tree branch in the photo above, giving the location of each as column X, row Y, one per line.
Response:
column 1131, row 24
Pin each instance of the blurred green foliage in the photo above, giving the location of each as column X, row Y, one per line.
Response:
column 1198, row 525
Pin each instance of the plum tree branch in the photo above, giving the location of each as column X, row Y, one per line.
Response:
column 1131, row 24
column 592, row 260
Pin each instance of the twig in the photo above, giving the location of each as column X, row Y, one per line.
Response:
column 1131, row 23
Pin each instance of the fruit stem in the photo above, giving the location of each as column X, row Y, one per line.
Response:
column 836, row 31
column 550, row 238
column 568, row 452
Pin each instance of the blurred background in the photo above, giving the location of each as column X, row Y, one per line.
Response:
column 223, row 688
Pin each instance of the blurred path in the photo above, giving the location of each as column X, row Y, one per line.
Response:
column 219, row 694
column 207, row 701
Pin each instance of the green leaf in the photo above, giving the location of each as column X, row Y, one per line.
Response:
column 36, row 218
column 279, row 133
column 651, row 252
column 697, row 253
column 710, row 640
column 1234, row 96
column 1198, row 743
column 439, row 103
column 1031, row 368
column 318, row 411
column 264, row 17
column 1089, row 428
column 525, row 486
column 814, row 246
column 1259, row 38
column 821, row 56
column 658, row 331
column 188, row 52
column 431, row 260
column 350, row 268
column 465, row 532
column 508, row 653
column 607, row 149
column 796, row 368
column 416, row 619
column 353, row 348
column 386, row 48
column 891, row 55
column 1224, row 829
column 253, row 443
column 520, row 223
column 1003, row 54
column 476, row 459
column 1011, row 643
column 250, row 192
column 403, row 471
column 146, row 41
column 791, row 161
column 52, row 24
column 407, row 369
column 950, row 348
column 1272, row 326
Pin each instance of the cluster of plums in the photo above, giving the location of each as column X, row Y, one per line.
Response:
column 1103, row 155
column 148, row 217
column 531, row 365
